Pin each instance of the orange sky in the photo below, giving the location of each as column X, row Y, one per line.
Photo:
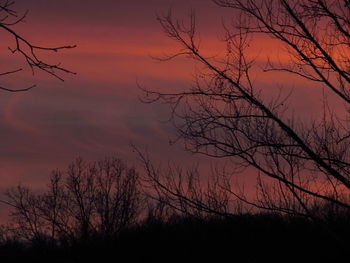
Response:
column 97, row 112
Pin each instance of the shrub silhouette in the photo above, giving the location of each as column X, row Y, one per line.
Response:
column 244, row 238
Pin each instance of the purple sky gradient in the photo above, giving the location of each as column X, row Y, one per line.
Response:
column 97, row 113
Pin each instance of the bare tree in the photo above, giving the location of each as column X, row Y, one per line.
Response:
column 9, row 18
column 118, row 198
column 27, row 213
column 96, row 198
column 226, row 114
column 178, row 191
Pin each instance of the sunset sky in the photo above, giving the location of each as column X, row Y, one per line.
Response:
column 97, row 112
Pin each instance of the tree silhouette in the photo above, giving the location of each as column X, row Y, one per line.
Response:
column 184, row 192
column 89, row 199
column 9, row 18
column 226, row 115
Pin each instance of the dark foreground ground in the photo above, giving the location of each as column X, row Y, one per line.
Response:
column 245, row 238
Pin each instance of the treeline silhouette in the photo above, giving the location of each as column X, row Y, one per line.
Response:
column 245, row 238
column 108, row 211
